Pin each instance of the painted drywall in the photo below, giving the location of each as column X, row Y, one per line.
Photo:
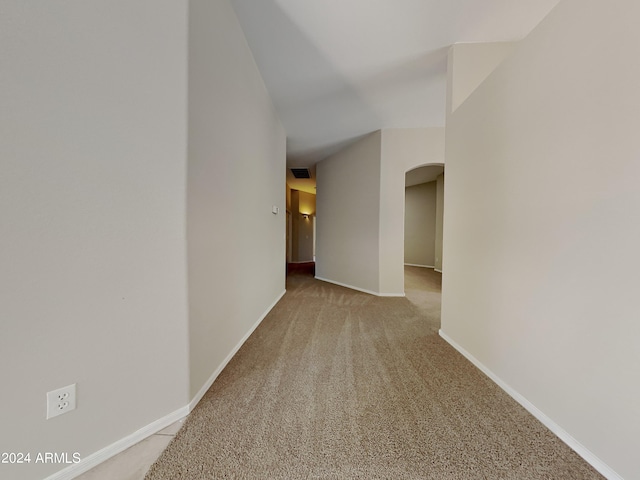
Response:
column 236, row 173
column 307, row 203
column 420, row 224
column 295, row 223
column 289, row 227
column 402, row 150
column 92, row 201
column 469, row 64
column 305, row 239
column 360, row 202
column 439, row 222
column 348, row 219
column 302, row 203
column 542, row 178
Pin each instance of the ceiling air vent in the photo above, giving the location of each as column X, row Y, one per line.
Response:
column 300, row 172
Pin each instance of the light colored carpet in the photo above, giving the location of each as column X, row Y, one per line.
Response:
column 339, row 384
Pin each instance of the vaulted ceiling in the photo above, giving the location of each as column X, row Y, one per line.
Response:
column 340, row 69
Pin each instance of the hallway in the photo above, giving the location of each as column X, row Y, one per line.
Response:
column 340, row 384
column 423, row 288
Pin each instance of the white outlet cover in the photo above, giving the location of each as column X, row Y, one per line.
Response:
column 61, row 401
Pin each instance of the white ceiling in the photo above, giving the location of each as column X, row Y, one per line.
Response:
column 340, row 69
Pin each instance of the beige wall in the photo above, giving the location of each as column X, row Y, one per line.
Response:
column 302, row 203
column 236, row 174
column 305, row 240
column 348, row 219
column 289, row 227
column 439, row 222
column 307, row 203
column 469, row 65
column 542, row 178
column 295, row 223
column 420, row 224
column 360, row 201
column 92, row 202
column 402, row 150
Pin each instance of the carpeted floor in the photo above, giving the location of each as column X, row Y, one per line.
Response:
column 337, row 384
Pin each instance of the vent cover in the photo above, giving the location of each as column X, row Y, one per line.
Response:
column 300, row 172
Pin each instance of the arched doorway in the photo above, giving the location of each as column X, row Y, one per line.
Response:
column 424, row 197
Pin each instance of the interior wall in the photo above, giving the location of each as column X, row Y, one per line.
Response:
column 439, row 222
column 92, row 201
column 469, row 65
column 348, row 218
column 542, row 170
column 289, row 227
column 305, row 239
column 295, row 224
column 402, row 150
column 420, row 224
column 307, row 204
column 363, row 219
column 236, row 174
column 302, row 203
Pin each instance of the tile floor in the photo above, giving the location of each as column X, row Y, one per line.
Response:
column 133, row 463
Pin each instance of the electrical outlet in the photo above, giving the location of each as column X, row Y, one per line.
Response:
column 61, row 401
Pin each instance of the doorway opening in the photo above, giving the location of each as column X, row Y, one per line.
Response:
column 301, row 232
column 424, row 201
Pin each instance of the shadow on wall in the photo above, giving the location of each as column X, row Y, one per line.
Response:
column 341, row 110
column 328, row 97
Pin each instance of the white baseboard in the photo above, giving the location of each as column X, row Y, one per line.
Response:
column 121, row 445
column 396, row 295
column 364, row 290
column 562, row 434
column 437, row 270
column 115, row 448
column 235, row 349
column 416, row 265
